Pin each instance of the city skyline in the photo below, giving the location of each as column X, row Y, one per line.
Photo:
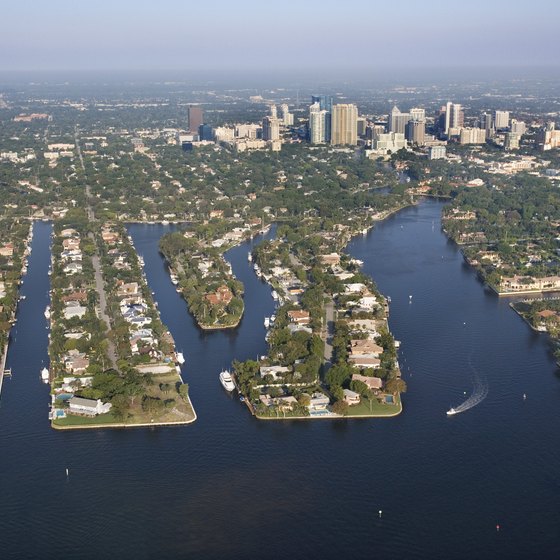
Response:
column 218, row 35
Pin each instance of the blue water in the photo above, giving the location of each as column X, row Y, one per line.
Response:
column 229, row 486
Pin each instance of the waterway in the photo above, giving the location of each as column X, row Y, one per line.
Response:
column 230, row 486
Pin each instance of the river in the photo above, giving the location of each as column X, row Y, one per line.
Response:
column 229, row 486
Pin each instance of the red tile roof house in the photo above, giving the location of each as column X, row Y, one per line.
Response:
column 299, row 317
column 222, row 296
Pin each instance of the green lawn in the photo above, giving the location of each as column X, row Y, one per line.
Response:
column 375, row 408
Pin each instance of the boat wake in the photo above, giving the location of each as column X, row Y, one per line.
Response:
column 480, row 392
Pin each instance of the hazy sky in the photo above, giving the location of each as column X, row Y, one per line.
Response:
column 284, row 35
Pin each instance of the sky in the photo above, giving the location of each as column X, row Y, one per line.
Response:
column 256, row 35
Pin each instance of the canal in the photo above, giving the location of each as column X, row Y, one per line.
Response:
column 229, row 486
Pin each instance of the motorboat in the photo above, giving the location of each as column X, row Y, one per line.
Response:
column 180, row 358
column 47, row 312
column 45, row 375
column 266, row 322
column 452, row 411
column 249, row 256
column 227, row 381
column 274, row 295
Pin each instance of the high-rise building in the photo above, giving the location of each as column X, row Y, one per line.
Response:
column 418, row 114
column 205, row 132
column 325, row 102
column 344, row 124
column 501, row 119
column 319, row 122
column 398, row 121
column 287, row 117
column 487, row 123
column 273, row 111
column 511, row 141
column 362, row 123
column 196, row 118
column 549, row 137
column 451, row 116
column 270, row 129
column 472, row 136
column 518, row 127
column 416, row 132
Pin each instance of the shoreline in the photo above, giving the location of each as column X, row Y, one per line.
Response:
column 121, row 425
column 330, row 417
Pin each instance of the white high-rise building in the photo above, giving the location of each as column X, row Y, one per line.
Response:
column 287, row 117
column 501, row 119
column 317, row 124
column 273, row 111
column 454, row 116
column 398, row 120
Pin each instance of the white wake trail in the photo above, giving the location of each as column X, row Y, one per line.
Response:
column 480, row 391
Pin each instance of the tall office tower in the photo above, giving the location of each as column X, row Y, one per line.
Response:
column 273, row 111
column 362, row 123
column 518, row 127
column 205, row 132
column 398, row 120
column 501, row 119
column 270, row 128
column 418, row 114
column 487, row 123
column 416, row 132
column 325, row 102
column 344, row 124
column 318, row 124
column 287, row 117
column 196, row 118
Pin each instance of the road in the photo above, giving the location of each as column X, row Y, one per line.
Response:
column 328, row 333
column 98, row 275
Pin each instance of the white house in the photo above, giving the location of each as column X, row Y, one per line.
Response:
column 88, row 407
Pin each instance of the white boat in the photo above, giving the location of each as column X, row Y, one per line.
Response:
column 249, row 257
column 226, row 380
column 364, row 231
column 451, row 412
column 48, row 312
column 266, row 322
column 274, row 295
column 180, row 358
column 45, row 375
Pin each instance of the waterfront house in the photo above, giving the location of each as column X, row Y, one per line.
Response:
column 331, row 259
column 69, row 232
column 351, row 397
column 222, row 296
column 127, row 289
column 71, row 244
column 88, row 407
column 73, row 268
column 80, row 295
column 365, row 347
column 319, row 401
column 373, row 383
column 364, row 361
column 274, row 371
column 76, row 362
column 299, row 316
column 74, row 309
